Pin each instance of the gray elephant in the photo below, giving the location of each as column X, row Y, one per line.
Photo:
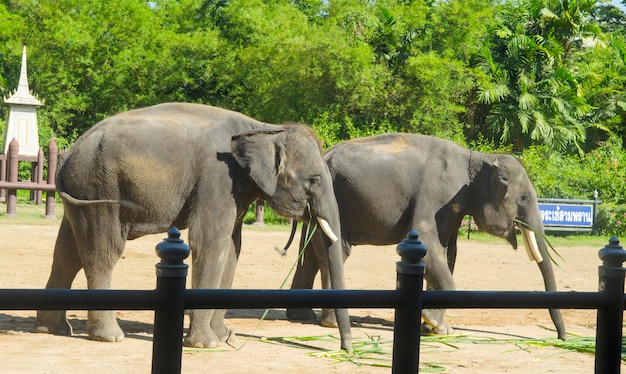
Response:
column 388, row 184
column 185, row 165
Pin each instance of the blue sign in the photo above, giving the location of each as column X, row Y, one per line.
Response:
column 566, row 215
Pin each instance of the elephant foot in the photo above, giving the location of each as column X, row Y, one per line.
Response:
column 103, row 327
column 428, row 328
column 224, row 334
column 208, row 339
column 434, row 323
column 52, row 322
column 65, row 330
column 329, row 319
column 298, row 315
column 106, row 334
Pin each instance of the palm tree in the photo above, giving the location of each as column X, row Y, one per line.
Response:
column 537, row 92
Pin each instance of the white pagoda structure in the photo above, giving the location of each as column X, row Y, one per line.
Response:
column 22, row 122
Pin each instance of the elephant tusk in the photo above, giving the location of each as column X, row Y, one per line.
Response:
column 327, row 230
column 530, row 242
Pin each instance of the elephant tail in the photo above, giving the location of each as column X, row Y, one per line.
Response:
column 78, row 202
column 294, row 226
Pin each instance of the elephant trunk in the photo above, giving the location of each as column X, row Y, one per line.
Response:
column 327, row 214
column 547, row 272
column 337, row 282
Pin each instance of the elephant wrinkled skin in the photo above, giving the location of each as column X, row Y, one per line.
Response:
column 388, row 184
column 185, row 165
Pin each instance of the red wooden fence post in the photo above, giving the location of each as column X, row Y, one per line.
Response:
column 38, row 175
column 3, row 177
column 14, row 149
column 53, row 152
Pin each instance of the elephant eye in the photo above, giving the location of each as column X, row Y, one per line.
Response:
column 524, row 199
column 312, row 182
column 522, row 206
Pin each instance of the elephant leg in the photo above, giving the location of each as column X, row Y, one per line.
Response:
column 219, row 327
column 100, row 250
column 211, row 252
column 438, row 277
column 328, row 318
column 65, row 266
column 306, row 270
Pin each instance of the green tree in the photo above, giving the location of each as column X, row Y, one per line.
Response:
column 524, row 70
column 90, row 60
column 460, row 27
column 540, row 78
column 290, row 69
column 12, row 31
column 421, row 64
column 438, row 88
column 610, row 18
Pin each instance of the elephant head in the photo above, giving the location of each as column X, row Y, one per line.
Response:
column 296, row 186
column 508, row 201
column 293, row 183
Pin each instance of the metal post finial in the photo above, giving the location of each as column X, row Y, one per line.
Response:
column 612, row 254
column 411, row 249
column 172, row 250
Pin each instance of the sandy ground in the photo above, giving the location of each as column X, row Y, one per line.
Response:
column 27, row 255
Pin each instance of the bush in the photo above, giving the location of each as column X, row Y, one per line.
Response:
column 577, row 177
column 270, row 217
column 604, row 169
column 331, row 133
column 467, row 226
column 557, row 176
column 611, row 219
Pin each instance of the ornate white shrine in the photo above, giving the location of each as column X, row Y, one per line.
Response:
column 22, row 121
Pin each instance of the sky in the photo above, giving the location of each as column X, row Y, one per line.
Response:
column 619, row 4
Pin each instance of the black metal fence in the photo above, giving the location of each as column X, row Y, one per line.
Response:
column 170, row 299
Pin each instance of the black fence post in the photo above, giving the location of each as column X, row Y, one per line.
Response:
column 167, row 345
column 410, row 281
column 610, row 317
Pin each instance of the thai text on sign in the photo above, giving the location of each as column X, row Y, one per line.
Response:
column 566, row 215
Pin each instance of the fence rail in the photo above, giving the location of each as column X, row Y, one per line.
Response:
column 9, row 184
column 170, row 299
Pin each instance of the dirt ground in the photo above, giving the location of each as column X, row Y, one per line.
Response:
column 27, row 255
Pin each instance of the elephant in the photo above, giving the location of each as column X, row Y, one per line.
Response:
column 387, row 184
column 190, row 166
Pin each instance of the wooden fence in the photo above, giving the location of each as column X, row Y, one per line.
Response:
column 9, row 183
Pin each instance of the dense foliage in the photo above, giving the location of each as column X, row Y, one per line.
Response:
column 573, row 177
column 542, row 78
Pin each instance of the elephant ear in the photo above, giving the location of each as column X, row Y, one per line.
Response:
column 261, row 153
column 499, row 182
